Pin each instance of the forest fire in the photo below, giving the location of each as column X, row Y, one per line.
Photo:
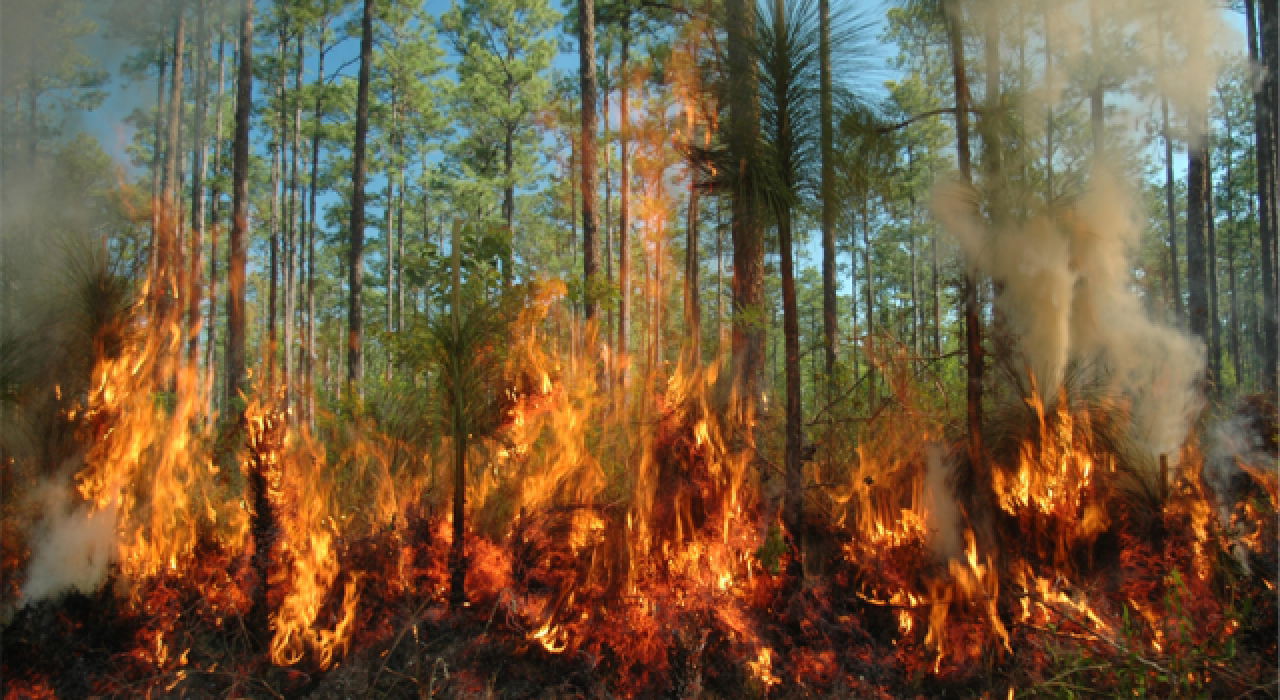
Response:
column 1030, row 465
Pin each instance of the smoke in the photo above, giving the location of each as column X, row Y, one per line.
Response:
column 71, row 546
column 941, row 511
column 1065, row 271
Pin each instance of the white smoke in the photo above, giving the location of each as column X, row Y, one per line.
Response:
column 72, row 546
column 1066, row 274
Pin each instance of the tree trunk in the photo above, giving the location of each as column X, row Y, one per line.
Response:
column 972, row 308
column 273, row 227
column 239, row 239
column 692, row 304
column 170, row 206
column 1233, row 335
column 830, row 314
column 747, row 232
column 292, row 242
column 157, row 164
column 1097, row 117
column 198, row 214
column 1267, row 138
column 391, row 229
column 590, row 164
column 215, row 197
column 1175, row 282
column 1211, row 254
column 793, row 512
column 624, row 210
column 509, row 199
column 1197, row 262
column 310, row 357
column 869, row 275
column 355, row 262
column 457, row 553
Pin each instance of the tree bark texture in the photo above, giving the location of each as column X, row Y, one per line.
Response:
column 239, row 238
column 355, row 262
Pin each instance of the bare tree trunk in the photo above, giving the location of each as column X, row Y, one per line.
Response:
column 1175, row 282
column 868, row 273
column 170, row 206
column 235, row 380
column 692, row 304
column 747, row 232
column 291, row 242
column 198, row 214
column 310, row 355
column 590, row 100
column 457, row 553
column 157, row 166
column 391, row 229
column 624, row 209
column 972, row 308
column 1233, row 335
column 1197, row 263
column 355, row 309
column 830, row 314
column 215, row 196
column 1097, row 117
column 1263, row 50
column 273, row 223
column 1211, row 250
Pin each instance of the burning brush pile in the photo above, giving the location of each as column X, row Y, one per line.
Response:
column 628, row 548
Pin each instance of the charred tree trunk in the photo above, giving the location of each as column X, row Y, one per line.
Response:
column 458, row 552
column 355, row 261
column 239, row 239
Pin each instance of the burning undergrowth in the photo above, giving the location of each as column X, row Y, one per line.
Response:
column 631, row 549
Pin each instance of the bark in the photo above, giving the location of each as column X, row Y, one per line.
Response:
column 273, row 227
column 310, row 355
column 590, row 163
column 157, row 163
column 457, row 552
column 1175, row 282
column 1267, row 142
column 391, row 214
column 869, row 275
column 830, row 314
column 170, row 207
column 235, row 380
column 624, row 208
column 747, row 232
column 291, row 242
column 355, row 261
column 972, row 308
column 692, row 304
column 1048, row 129
column 1211, row 254
column 215, row 196
column 509, row 197
column 1197, row 260
column 198, row 213
column 1097, row 118
column 1233, row 334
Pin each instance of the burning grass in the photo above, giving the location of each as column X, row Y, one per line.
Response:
column 632, row 552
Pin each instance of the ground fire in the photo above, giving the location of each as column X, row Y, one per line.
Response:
column 531, row 479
